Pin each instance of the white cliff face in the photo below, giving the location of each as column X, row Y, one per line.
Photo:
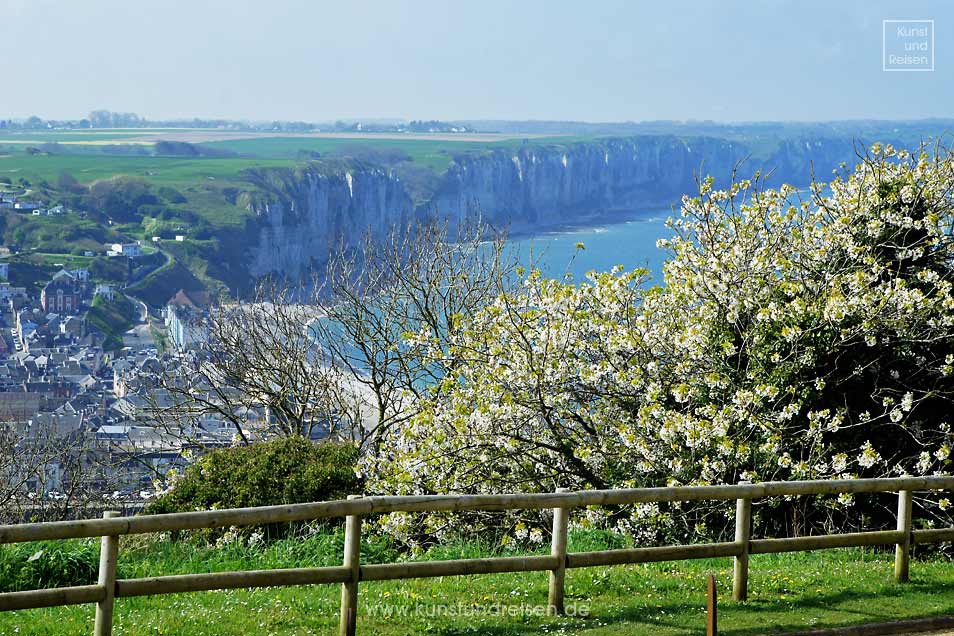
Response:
column 311, row 212
column 541, row 186
column 306, row 211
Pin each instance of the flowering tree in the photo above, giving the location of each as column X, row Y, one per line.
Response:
column 791, row 339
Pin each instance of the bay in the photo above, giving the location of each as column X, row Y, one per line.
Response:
column 630, row 242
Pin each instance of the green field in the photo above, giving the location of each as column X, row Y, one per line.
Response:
column 436, row 155
column 265, row 152
column 787, row 593
column 160, row 170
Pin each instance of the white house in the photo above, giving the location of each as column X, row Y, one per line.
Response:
column 185, row 319
column 105, row 291
column 79, row 274
column 132, row 250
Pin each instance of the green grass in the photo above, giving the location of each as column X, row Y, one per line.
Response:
column 260, row 151
column 436, row 154
column 175, row 171
column 66, row 260
column 113, row 318
column 787, row 593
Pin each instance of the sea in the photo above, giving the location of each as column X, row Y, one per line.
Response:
column 629, row 241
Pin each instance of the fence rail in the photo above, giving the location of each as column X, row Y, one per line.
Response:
column 111, row 527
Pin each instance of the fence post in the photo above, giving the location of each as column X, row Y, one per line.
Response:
column 561, row 518
column 902, row 553
column 712, row 607
column 108, row 554
column 352, row 559
column 743, row 533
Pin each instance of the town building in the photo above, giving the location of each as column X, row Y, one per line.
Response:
column 80, row 274
column 185, row 319
column 105, row 291
column 132, row 250
column 62, row 295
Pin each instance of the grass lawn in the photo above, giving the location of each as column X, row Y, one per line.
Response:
column 67, row 260
column 435, row 154
column 787, row 593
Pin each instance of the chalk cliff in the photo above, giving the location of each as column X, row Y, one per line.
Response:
column 304, row 212
column 301, row 212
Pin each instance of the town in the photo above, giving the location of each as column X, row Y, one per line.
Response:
column 83, row 405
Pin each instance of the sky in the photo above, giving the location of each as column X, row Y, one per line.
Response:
column 588, row 60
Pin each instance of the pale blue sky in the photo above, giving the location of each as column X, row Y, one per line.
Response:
column 595, row 60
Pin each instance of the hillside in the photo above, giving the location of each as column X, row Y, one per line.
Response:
column 113, row 318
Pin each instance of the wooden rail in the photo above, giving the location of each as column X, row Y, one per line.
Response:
column 111, row 527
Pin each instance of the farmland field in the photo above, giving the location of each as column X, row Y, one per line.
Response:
column 90, row 163
column 161, row 170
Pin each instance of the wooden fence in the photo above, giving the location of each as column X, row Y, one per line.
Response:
column 352, row 572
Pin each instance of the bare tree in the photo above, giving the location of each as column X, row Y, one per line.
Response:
column 51, row 474
column 256, row 370
column 334, row 358
column 391, row 307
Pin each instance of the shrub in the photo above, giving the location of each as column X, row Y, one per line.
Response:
column 282, row 471
column 29, row 566
column 171, row 195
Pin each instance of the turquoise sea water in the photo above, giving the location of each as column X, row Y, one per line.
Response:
column 630, row 242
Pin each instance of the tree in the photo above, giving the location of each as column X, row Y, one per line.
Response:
column 256, row 369
column 49, row 474
column 392, row 308
column 792, row 339
column 335, row 359
column 67, row 182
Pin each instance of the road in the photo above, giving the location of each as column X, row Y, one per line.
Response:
column 143, row 311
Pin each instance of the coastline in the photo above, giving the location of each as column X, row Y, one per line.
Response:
column 525, row 231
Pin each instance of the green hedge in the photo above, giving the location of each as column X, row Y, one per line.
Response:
column 281, row 471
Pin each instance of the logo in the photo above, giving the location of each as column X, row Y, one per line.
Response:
column 908, row 45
